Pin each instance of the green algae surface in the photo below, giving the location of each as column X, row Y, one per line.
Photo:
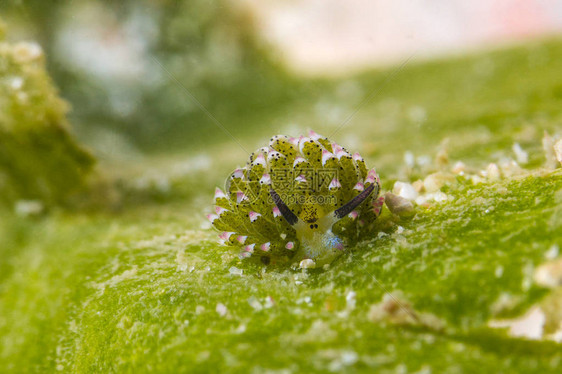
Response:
column 39, row 159
column 148, row 287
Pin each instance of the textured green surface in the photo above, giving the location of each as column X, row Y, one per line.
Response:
column 39, row 160
column 148, row 288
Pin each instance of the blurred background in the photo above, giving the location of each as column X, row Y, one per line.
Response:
column 163, row 77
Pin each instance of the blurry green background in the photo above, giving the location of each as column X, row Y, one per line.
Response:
column 122, row 66
column 133, row 71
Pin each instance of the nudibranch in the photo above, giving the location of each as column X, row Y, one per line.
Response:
column 297, row 199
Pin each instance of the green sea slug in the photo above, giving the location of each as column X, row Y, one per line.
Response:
column 298, row 199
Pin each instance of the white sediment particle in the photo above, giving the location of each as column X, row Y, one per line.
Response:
column 504, row 302
column 221, row 309
column 552, row 252
column 199, row 309
column 433, row 182
column 418, row 185
column 27, row 52
column 255, row 303
column 349, row 358
column 430, row 184
column 440, row 197
column 304, row 300
column 558, row 151
column 343, row 360
column 549, row 274
column 268, row 302
column 350, row 300
column 442, row 156
column 235, row 271
column 409, row 159
column 520, row 155
column 240, row 329
column 459, row 168
column 499, row 271
column 26, row 208
column 405, row 190
column 548, row 143
column 492, row 172
column 423, row 160
column 476, row 179
column 307, row 264
column 398, row 205
column 529, row 326
column 510, row 167
column 395, row 309
column 16, row 83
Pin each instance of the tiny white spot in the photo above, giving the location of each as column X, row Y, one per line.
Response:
column 350, row 299
column 521, row 156
column 552, row 252
column 16, row 83
column 221, row 309
column 254, row 303
column 307, row 264
column 235, row 271
column 268, row 302
column 499, row 271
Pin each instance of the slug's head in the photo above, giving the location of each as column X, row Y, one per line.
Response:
column 314, row 226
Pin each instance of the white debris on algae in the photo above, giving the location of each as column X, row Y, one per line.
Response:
column 27, row 208
column 405, row 190
column 221, row 309
column 543, row 320
column 350, row 300
column 520, row 155
column 558, row 151
column 399, row 205
column 395, row 309
column 255, row 303
column 433, row 182
column 552, row 252
column 459, row 168
column 529, row 326
column 549, row 274
column 307, row 264
column 492, row 172
column 235, row 271
column 549, row 151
